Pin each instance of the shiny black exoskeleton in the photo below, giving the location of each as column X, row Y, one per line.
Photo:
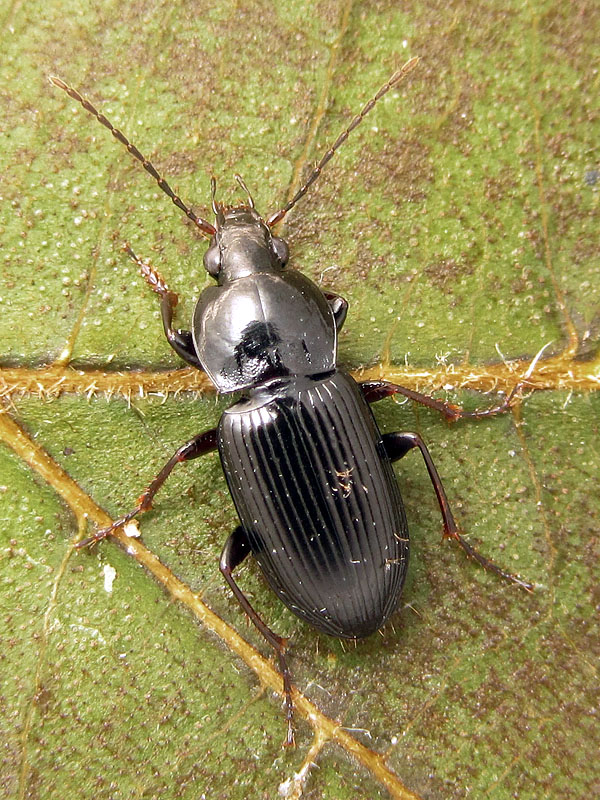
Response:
column 305, row 463
column 309, row 472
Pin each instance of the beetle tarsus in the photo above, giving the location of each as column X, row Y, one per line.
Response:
column 290, row 740
column 378, row 390
column 153, row 278
column 397, row 445
column 103, row 533
column 237, row 548
column 203, row 443
column 456, row 412
column 486, row 563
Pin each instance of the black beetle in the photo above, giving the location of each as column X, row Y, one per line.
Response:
column 309, row 472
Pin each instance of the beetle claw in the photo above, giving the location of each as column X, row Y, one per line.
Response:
column 144, row 503
column 290, row 740
column 98, row 536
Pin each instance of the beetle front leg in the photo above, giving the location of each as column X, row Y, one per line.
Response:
column 198, row 446
column 181, row 341
column 339, row 308
column 397, row 445
column 235, row 551
column 377, row 390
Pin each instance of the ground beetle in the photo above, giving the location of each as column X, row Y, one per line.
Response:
column 309, row 472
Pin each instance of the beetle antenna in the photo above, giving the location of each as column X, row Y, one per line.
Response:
column 213, row 194
column 393, row 81
column 242, row 184
column 217, row 209
column 202, row 224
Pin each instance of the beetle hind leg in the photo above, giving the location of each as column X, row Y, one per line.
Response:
column 397, row 445
column 198, row 446
column 377, row 390
column 235, row 551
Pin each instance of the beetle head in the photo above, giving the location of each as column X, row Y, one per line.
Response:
column 242, row 244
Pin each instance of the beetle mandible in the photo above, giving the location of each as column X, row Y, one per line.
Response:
column 308, row 470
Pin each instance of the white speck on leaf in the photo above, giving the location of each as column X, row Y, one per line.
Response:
column 110, row 573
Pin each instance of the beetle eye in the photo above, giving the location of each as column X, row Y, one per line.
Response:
column 281, row 249
column 212, row 260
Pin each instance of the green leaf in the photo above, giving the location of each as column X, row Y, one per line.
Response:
column 460, row 221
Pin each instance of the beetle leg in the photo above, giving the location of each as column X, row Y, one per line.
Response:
column 377, row 390
column 237, row 547
column 339, row 307
column 198, row 446
column 398, row 445
column 181, row 341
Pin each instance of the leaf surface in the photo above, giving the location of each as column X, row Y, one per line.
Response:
column 460, row 221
